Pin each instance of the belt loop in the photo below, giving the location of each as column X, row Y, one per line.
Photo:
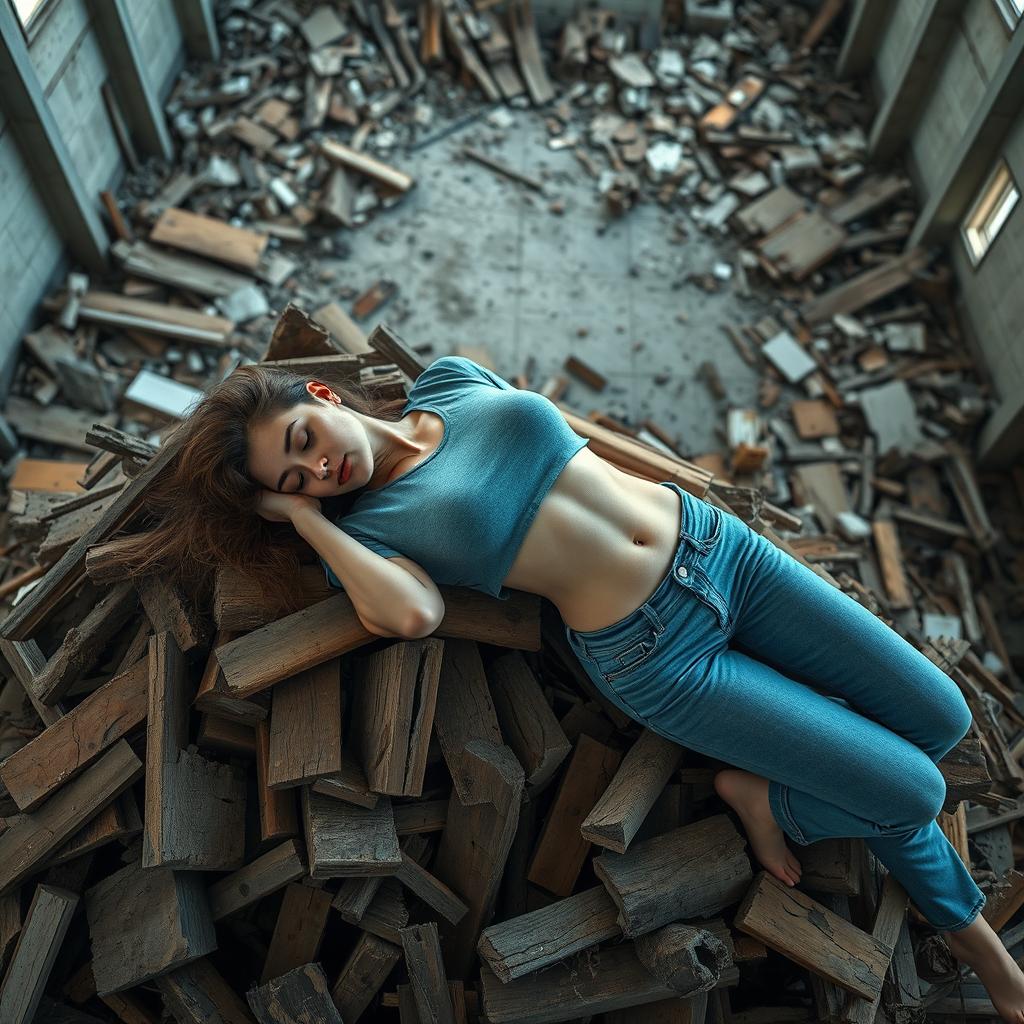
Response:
column 653, row 618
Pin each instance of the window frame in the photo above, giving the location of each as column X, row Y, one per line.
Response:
column 31, row 26
column 1010, row 14
column 991, row 196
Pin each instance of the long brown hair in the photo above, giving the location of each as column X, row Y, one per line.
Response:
column 200, row 513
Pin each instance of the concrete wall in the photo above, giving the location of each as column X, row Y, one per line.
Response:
column 160, row 39
column 30, row 246
column 991, row 299
column 993, row 303
column 71, row 68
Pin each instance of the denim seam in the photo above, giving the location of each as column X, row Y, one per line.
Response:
column 965, row 921
column 780, row 805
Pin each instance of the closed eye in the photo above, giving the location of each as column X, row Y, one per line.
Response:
column 309, row 440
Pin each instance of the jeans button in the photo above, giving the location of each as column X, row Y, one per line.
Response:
column 683, row 572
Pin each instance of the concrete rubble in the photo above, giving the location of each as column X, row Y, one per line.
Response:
column 856, row 460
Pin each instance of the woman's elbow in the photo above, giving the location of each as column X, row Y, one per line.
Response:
column 423, row 622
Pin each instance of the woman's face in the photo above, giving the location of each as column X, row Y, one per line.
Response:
column 301, row 450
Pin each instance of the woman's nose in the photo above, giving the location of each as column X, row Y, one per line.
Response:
column 321, row 467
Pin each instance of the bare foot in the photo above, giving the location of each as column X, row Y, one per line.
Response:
column 980, row 948
column 747, row 794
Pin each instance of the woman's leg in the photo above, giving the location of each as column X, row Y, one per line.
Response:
column 787, row 616
column 833, row 772
column 866, row 770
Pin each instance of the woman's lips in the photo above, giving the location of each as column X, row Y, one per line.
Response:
column 344, row 469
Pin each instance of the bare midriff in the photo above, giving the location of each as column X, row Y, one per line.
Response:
column 600, row 543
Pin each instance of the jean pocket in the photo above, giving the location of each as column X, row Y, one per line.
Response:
column 628, row 655
column 703, row 589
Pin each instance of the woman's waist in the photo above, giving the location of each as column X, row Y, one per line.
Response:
column 595, row 561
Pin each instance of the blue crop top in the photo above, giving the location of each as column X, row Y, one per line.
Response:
column 462, row 512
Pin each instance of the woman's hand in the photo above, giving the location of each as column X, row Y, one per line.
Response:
column 281, row 508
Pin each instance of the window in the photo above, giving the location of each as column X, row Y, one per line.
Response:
column 28, row 11
column 989, row 212
column 1011, row 10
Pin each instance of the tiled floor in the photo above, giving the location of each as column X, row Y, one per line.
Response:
column 480, row 260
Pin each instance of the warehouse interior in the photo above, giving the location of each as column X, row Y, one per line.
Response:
column 766, row 249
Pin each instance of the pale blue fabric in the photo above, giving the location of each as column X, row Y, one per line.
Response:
column 744, row 654
column 462, row 512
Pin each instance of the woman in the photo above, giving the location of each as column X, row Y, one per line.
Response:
column 684, row 617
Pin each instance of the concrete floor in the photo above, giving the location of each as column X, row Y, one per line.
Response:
column 480, row 260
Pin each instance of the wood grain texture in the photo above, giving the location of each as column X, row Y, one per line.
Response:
column 34, row 956
column 539, row 938
column 527, row 721
column 266, row 874
column 195, row 808
column 343, row 839
column 425, row 965
column 363, row 974
column 636, row 785
column 562, row 849
column 279, row 814
column 807, row 932
column 306, row 726
column 33, row 838
column 198, row 994
column 665, row 878
column 74, row 741
column 301, row 995
column 144, row 922
column 393, row 707
column 298, row 931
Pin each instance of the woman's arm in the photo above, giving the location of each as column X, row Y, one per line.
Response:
column 394, row 595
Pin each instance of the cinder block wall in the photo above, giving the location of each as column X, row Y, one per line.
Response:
column 991, row 299
column 31, row 248
column 71, row 69
column 160, row 39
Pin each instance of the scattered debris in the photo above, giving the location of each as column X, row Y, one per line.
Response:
column 475, row 778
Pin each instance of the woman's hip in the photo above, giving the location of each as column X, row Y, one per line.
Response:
column 687, row 619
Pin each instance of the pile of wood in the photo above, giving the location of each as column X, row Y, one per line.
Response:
column 238, row 814
column 214, row 810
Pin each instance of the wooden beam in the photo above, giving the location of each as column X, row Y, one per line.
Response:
column 47, row 922
column 195, row 808
column 918, row 73
column 32, row 838
column 43, row 148
column 971, row 160
column 65, row 574
column 864, row 31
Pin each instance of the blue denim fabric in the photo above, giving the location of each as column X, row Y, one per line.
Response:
column 744, row 654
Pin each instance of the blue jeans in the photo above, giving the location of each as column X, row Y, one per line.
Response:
column 744, row 654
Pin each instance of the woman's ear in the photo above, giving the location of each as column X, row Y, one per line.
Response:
column 321, row 390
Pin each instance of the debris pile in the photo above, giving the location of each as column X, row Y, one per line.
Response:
column 208, row 817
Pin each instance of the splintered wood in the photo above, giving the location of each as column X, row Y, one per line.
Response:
column 460, row 827
column 217, row 809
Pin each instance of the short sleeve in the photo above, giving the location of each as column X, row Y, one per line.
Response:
column 332, row 579
column 462, row 368
column 371, row 542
